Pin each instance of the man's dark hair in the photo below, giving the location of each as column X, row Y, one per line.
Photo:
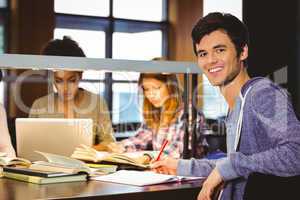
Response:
column 64, row 47
column 233, row 27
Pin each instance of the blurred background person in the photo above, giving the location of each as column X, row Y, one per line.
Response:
column 70, row 101
column 5, row 141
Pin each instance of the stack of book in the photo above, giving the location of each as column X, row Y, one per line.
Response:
column 56, row 169
column 41, row 177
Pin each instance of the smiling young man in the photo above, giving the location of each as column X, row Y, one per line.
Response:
column 262, row 129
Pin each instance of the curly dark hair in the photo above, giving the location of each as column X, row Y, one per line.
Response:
column 64, row 47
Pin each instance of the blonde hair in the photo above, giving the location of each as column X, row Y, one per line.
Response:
column 168, row 113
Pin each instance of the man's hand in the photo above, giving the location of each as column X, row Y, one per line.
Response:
column 166, row 166
column 210, row 186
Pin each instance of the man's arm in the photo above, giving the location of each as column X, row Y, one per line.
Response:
column 196, row 167
column 275, row 119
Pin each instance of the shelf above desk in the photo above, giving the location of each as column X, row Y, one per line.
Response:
column 39, row 62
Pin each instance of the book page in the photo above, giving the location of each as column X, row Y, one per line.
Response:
column 13, row 161
column 129, row 177
column 5, row 160
column 133, row 158
column 62, row 160
column 3, row 154
column 89, row 154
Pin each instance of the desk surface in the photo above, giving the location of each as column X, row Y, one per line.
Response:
column 11, row 189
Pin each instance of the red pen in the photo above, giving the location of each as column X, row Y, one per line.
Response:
column 165, row 142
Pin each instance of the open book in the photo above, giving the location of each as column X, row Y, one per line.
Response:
column 9, row 161
column 142, row 178
column 5, row 160
column 134, row 160
column 58, row 163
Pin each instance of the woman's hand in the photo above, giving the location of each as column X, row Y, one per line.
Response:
column 115, row 147
column 166, row 166
column 112, row 147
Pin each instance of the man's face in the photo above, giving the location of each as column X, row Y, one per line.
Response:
column 218, row 58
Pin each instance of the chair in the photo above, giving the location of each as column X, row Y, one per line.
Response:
column 263, row 186
column 216, row 138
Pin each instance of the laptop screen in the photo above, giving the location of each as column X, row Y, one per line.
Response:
column 51, row 135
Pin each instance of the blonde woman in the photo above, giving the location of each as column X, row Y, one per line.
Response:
column 163, row 116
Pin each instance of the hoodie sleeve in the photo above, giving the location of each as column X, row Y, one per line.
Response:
column 195, row 167
column 278, row 127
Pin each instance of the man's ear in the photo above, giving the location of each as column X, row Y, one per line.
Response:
column 244, row 53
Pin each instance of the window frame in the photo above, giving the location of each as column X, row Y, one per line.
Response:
column 110, row 25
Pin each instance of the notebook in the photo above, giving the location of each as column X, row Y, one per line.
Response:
column 32, row 172
column 45, row 180
column 52, row 135
column 142, row 178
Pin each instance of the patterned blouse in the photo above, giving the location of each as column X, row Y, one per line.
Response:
column 146, row 139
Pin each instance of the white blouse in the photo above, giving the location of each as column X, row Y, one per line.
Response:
column 5, row 142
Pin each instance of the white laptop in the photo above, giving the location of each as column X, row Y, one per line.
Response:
column 51, row 135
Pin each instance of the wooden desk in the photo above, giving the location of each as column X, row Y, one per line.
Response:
column 17, row 190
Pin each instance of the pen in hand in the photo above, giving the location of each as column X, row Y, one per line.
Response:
column 165, row 142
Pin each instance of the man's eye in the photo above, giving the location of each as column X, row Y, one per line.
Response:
column 220, row 50
column 58, row 81
column 202, row 54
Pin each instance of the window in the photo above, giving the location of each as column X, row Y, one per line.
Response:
column 125, row 100
column 214, row 105
column 1, row 38
column 92, row 42
column 90, row 83
column 234, row 7
column 131, row 29
column 137, row 42
column 139, row 9
column 79, row 7
column 3, row 20
column 3, row 4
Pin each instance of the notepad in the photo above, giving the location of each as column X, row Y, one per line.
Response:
column 142, row 178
